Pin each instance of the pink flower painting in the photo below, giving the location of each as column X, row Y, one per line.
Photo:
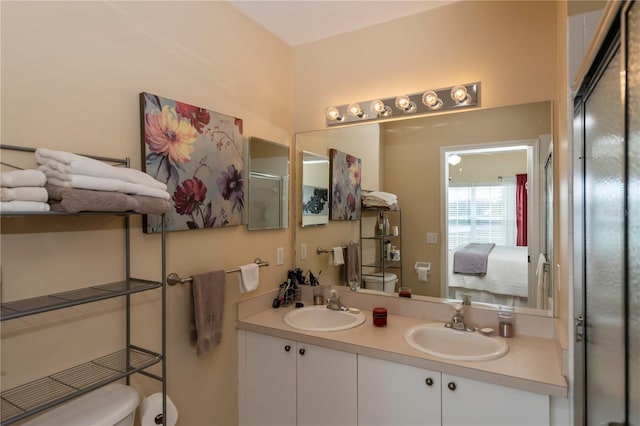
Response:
column 346, row 189
column 199, row 154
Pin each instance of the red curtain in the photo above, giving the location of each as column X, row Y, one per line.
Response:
column 521, row 209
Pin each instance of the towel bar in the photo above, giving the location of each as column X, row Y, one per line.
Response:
column 320, row 250
column 173, row 278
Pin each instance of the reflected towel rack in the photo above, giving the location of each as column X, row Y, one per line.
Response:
column 320, row 250
column 173, row 278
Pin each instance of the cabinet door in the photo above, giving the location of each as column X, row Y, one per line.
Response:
column 466, row 402
column 270, row 381
column 394, row 394
column 327, row 386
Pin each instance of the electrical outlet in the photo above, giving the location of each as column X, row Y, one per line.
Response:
column 432, row 238
column 303, row 251
column 280, row 256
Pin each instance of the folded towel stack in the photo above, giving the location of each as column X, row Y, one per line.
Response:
column 23, row 191
column 380, row 199
column 97, row 186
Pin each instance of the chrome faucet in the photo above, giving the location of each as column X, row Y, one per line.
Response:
column 334, row 303
column 457, row 322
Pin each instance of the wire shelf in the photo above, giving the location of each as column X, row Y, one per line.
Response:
column 39, row 395
column 36, row 305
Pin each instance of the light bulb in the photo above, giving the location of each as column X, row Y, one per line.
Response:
column 334, row 114
column 431, row 100
column 459, row 94
column 355, row 111
column 402, row 102
column 406, row 104
column 377, row 106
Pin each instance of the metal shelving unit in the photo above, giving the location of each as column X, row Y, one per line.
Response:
column 34, row 397
column 39, row 395
column 373, row 243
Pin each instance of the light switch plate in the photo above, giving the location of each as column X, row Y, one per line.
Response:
column 280, row 256
column 303, row 251
column 432, row 238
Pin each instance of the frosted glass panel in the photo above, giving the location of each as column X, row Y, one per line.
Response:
column 604, row 192
column 633, row 126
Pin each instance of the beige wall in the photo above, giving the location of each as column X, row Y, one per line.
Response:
column 510, row 47
column 71, row 74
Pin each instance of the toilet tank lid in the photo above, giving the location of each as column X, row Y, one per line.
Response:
column 104, row 406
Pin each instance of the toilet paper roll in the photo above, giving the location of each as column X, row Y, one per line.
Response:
column 151, row 411
column 423, row 274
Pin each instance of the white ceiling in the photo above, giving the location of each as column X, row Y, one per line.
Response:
column 302, row 21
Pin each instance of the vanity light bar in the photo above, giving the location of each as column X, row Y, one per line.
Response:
column 448, row 98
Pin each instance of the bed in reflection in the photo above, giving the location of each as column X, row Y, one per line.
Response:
column 505, row 281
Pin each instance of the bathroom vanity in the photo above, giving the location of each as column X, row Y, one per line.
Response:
column 369, row 375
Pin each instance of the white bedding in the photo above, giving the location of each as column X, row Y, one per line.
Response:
column 507, row 273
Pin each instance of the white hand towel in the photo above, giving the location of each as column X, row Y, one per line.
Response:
column 24, row 193
column 338, row 257
column 16, row 178
column 24, row 206
column 67, row 162
column 249, row 277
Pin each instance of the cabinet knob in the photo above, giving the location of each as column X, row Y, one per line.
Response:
column 287, row 348
column 429, row 381
column 302, row 351
column 452, row 386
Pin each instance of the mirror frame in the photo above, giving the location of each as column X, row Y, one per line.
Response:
column 269, row 176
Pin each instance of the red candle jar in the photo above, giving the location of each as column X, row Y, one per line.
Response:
column 380, row 317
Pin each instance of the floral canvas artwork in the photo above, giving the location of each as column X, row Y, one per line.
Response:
column 345, row 186
column 199, row 154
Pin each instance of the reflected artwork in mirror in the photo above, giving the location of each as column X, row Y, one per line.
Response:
column 315, row 189
column 268, row 206
column 409, row 158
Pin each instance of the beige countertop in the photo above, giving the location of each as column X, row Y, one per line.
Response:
column 532, row 363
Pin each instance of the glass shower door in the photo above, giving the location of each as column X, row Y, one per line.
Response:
column 604, row 249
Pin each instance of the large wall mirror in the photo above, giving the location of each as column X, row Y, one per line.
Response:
column 268, row 199
column 453, row 174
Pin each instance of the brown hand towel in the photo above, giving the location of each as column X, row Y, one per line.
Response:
column 353, row 263
column 208, row 303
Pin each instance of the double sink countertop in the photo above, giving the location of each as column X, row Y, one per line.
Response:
column 532, row 364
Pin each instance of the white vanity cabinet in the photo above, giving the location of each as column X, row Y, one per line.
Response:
column 466, row 401
column 284, row 382
column 396, row 394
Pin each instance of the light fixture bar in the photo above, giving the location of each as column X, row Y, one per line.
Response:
column 425, row 102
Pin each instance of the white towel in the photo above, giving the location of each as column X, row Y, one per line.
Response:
column 73, row 164
column 541, row 293
column 23, row 206
column 17, row 178
column 101, row 184
column 249, row 277
column 338, row 257
column 24, row 193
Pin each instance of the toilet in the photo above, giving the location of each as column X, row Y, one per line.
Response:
column 375, row 282
column 112, row 405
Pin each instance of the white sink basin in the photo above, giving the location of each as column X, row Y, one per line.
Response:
column 438, row 340
column 321, row 318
